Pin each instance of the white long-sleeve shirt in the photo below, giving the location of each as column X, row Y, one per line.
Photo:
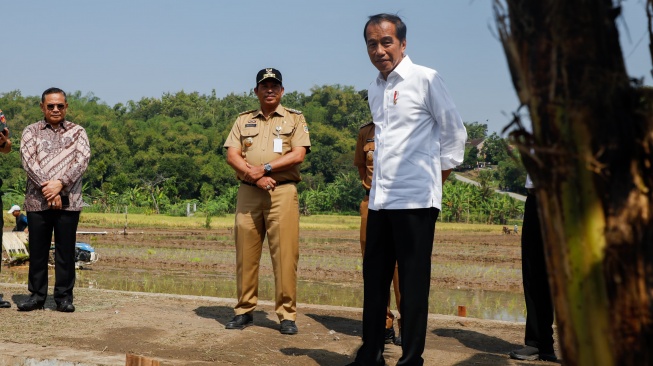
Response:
column 418, row 134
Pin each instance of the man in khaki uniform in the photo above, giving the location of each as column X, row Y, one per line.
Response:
column 265, row 148
column 363, row 160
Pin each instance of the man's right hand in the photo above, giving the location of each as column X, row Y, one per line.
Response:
column 253, row 173
column 266, row 183
column 51, row 189
column 55, row 203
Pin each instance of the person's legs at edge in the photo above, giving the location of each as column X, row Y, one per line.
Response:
column 537, row 293
column 3, row 303
column 395, row 283
column 363, row 229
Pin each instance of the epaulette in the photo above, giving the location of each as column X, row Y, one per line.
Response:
column 366, row 124
column 246, row 112
column 293, row 110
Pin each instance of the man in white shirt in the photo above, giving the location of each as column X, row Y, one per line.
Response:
column 419, row 138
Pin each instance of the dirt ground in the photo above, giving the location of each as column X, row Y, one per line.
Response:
column 189, row 330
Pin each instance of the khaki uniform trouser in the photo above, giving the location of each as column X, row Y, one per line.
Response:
column 275, row 213
column 395, row 279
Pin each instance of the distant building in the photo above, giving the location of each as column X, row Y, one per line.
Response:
column 477, row 143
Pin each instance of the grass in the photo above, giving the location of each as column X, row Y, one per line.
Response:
column 313, row 222
column 113, row 220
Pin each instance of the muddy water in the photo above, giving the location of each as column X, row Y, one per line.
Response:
column 479, row 304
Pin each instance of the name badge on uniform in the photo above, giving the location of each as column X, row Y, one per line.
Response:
column 278, row 143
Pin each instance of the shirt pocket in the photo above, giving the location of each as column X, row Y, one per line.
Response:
column 368, row 148
column 249, row 138
column 286, row 135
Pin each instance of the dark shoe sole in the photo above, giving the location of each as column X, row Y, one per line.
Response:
column 390, row 335
column 548, row 357
column 66, row 309
column 515, row 356
column 238, row 327
column 237, row 322
column 30, row 308
column 5, row 304
column 290, row 329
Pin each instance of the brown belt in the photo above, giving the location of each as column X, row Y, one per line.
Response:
column 279, row 184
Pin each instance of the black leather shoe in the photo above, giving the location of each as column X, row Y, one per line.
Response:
column 398, row 341
column 389, row 335
column 4, row 304
column 30, row 305
column 288, row 327
column 240, row 321
column 65, row 306
column 551, row 357
column 527, row 353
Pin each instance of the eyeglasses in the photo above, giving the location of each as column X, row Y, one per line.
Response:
column 59, row 106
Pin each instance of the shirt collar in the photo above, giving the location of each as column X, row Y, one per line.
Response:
column 401, row 70
column 280, row 111
column 63, row 124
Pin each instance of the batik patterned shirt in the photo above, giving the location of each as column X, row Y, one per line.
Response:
column 49, row 154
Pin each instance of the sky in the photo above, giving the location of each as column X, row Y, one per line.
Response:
column 123, row 50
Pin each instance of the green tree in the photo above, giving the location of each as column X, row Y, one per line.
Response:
column 471, row 157
column 495, row 149
column 475, row 130
column 511, row 175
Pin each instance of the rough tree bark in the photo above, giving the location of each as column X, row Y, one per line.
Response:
column 590, row 155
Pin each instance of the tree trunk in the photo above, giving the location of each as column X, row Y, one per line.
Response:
column 590, row 156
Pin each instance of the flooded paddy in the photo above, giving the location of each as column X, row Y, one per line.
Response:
column 477, row 270
column 482, row 304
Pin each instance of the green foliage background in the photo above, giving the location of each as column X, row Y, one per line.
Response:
column 158, row 155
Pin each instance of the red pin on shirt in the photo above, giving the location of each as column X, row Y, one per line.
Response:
column 396, row 95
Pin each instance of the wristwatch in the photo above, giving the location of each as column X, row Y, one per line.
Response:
column 267, row 168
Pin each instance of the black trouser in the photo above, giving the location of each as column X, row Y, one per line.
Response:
column 537, row 293
column 405, row 237
column 41, row 225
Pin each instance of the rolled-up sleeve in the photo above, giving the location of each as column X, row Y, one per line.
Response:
column 452, row 130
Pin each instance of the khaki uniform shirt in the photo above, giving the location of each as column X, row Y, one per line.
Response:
column 364, row 155
column 254, row 136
